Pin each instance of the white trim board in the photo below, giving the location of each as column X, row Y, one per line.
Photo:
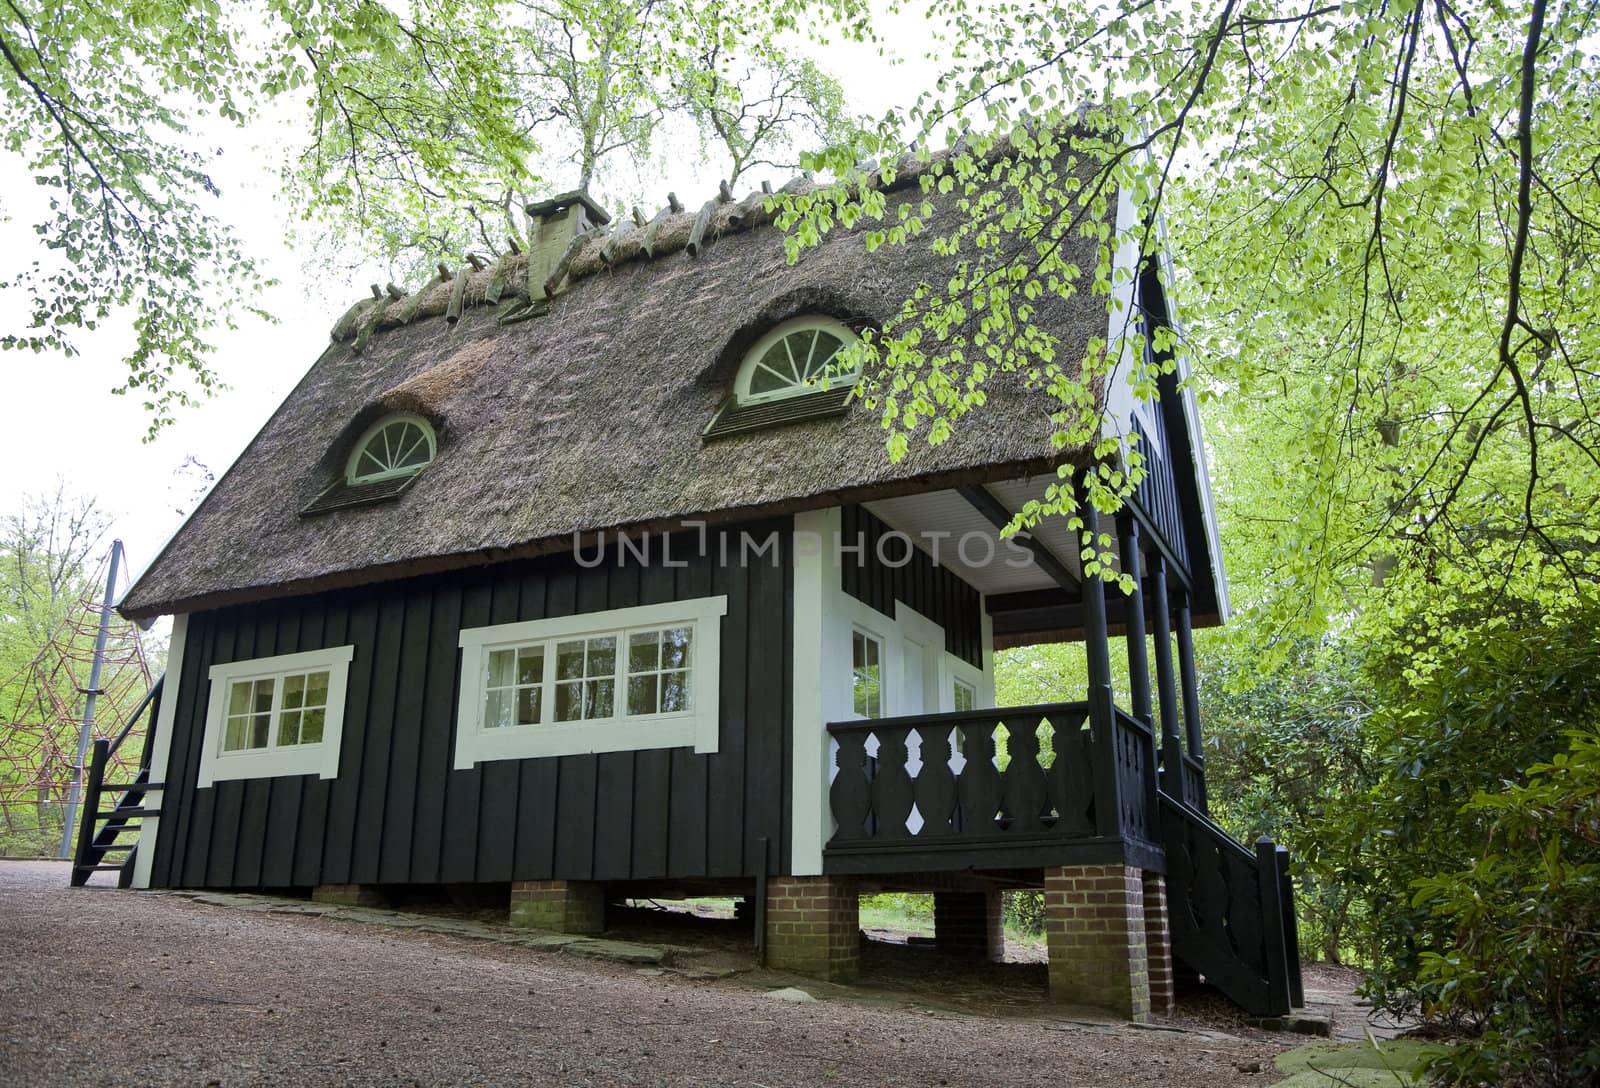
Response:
column 161, row 755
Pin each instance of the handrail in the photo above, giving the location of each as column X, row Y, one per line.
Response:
column 1131, row 722
column 133, row 719
column 956, row 717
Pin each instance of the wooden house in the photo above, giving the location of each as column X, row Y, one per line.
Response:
column 565, row 576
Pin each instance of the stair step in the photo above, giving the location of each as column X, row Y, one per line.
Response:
column 116, row 845
column 97, row 868
column 109, row 786
column 127, row 813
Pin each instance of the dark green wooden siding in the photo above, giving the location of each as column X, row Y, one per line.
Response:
column 934, row 591
column 399, row 813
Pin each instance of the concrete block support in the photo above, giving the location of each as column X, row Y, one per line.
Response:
column 348, row 895
column 1095, row 932
column 1158, row 945
column 814, row 927
column 565, row 906
column 970, row 924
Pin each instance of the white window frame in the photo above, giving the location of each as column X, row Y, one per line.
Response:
column 747, row 369
column 884, row 701
column 320, row 759
column 957, row 682
column 697, row 727
column 355, row 478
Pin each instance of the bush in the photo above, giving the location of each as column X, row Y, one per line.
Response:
column 1024, row 912
column 1524, row 970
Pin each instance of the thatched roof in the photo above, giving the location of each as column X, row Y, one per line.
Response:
column 585, row 418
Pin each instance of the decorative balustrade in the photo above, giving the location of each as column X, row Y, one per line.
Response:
column 1194, row 783
column 982, row 780
column 1135, row 750
column 1231, row 911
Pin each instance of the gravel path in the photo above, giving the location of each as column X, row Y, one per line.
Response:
column 99, row 986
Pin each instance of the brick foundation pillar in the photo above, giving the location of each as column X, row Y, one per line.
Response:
column 348, row 895
column 970, row 924
column 1095, row 930
column 1158, row 945
column 814, row 927
column 565, row 906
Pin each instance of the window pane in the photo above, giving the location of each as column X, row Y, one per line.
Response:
column 317, row 689
column 674, row 692
column 569, row 702
column 502, row 668
column 858, row 651
column 763, row 380
column 569, row 660
column 234, row 738
column 311, row 726
column 262, row 698
column 777, row 360
column 289, row 728
column 600, row 699
column 642, row 694
column 602, row 657
column 675, row 648
column 644, row 651
column 497, row 710
column 260, row 726
column 530, row 665
column 528, row 706
column 965, row 696
column 294, row 692
column 239, row 697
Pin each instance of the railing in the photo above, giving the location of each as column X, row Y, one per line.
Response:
column 1194, row 783
column 99, row 832
column 1231, row 911
column 962, row 786
column 1157, row 493
column 1136, row 775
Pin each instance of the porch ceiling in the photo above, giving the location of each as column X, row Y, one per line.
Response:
column 969, row 544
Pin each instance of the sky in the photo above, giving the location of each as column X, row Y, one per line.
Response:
column 63, row 424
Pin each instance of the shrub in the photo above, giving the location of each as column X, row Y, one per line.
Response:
column 1524, row 969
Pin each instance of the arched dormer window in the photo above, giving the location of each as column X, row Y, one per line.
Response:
column 394, row 447
column 794, row 359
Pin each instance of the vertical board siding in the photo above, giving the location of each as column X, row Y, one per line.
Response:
column 399, row 812
column 934, row 591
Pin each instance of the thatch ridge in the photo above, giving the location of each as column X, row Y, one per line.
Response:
column 601, row 248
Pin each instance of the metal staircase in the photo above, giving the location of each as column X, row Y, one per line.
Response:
column 114, row 831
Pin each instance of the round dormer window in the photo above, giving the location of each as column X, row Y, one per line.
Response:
column 795, row 358
column 395, row 446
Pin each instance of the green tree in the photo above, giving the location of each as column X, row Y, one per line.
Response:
column 427, row 124
column 1387, row 213
column 412, row 161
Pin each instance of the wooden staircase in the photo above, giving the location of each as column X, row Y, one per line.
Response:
column 1232, row 911
column 114, row 832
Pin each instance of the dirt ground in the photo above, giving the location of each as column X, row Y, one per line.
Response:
column 105, row 987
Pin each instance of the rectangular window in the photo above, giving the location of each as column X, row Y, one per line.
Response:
column 866, row 674
column 275, row 716
column 966, row 696
column 611, row 681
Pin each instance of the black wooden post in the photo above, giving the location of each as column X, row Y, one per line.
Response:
column 1291, row 930
column 1097, row 648
column 1275, row 950
column 1191, row 697
column 1138, row 655
column 88, row 813
column 1166, row 682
